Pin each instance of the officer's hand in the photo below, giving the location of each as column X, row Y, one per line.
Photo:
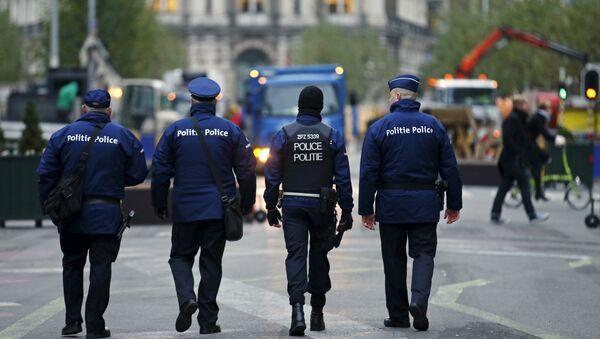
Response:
column 345, row 221
column 274, row 217
column 162, row 213
column 560, row 140
column 451, row 216
column 369, row 221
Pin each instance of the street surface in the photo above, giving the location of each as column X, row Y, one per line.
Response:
column 513, row 281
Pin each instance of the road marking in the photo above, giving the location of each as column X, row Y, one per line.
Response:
column 268, row 305
column 447, row 297
column 275, row 308
column 39, row 270
column 8, row 304
column 581, row 263
column 26, row 324
column 516, row 254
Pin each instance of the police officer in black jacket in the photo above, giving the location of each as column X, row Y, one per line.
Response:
column 308, row 157
column 513, row 164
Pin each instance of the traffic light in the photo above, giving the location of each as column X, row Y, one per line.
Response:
column 591, row 84
column 562, row 91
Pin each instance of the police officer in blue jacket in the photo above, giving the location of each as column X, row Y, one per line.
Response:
column 196, row 203
column 403, row 154
column 308, row 156
column 94, row 230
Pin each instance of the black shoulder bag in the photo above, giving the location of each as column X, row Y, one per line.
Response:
column 232, row 214
column 65, row 200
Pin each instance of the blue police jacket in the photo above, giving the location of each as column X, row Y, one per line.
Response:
column 274, row 170
column 116, row 160
column 407, row 146
column 179, row 155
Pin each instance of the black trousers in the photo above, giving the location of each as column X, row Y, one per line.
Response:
column 422, row 245
column 75, row 248
column 536, row 174
column 298, row 223
column 208, row 236
column 506, row 183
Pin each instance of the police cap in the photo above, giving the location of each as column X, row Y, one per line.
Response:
column 406, row 81
column 97, row 98
column 203, row 88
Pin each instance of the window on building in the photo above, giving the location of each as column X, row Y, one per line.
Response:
column 297, row 8
column 208, row 6
column 252, row 6
column 339, row 6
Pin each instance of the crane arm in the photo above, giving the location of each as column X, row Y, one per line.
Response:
column 469, row 62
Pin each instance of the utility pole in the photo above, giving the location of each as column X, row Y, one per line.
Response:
column 54, row 51
column 92, row 32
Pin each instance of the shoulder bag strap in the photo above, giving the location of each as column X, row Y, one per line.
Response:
column 88, row 147
column 209, row 160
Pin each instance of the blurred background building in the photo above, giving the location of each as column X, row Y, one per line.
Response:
column 226, row 38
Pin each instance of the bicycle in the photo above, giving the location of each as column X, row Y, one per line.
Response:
column 577, row 194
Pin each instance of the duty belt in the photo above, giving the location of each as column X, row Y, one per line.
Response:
column 300, row 194
column 410, row 186
column 101, row 200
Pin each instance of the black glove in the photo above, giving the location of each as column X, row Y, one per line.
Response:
column 345, row 221
column 273, row 217
column 162, row 213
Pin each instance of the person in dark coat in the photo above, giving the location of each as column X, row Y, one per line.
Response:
column 513, row 163
column 115, row 160
column 196, row 201
column 403, row 154
column 537, row 125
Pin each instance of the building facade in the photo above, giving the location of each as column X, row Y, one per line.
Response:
column 225, row 38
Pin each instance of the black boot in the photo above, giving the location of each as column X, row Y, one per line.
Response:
column 316, row 320
column 298, row 325
column 419, row 313
column 71, row 329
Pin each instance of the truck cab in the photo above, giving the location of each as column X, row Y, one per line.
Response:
column 272, row 100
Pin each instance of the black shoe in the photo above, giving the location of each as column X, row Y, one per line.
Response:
column 184, row 319
column 541, row 197
column 214, row 328
column 316, row 321
column 420, row 321
column 298, row 325
column 102, row 334
column 71, row 329
column 389, row 322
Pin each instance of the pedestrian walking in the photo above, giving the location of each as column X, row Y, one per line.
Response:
column 537, row 125
column 197, row 206
column 513, row 164
column 403, row 154
column 307, row 158
column 113, row 158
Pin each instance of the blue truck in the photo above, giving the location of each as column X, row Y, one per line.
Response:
column 272, row 100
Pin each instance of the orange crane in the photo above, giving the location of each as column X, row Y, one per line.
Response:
column 468, row 63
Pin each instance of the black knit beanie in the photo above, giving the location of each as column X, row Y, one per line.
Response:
column 310, row 101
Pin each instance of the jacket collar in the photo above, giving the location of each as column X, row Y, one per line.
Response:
column 203, row 108
column 308, row 119
column 95, row 117
column 521, row 115
column 405, row 105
